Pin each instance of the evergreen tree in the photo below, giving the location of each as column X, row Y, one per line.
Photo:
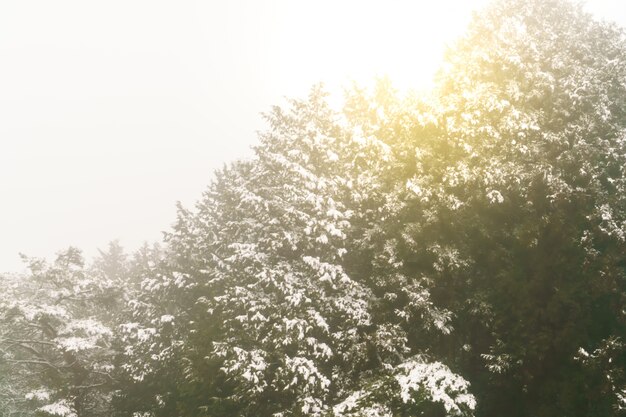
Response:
column 462, row 253
column 55, row 346
column 268, row 276
column 518, row 208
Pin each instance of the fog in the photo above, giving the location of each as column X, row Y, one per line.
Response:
column 112, row 111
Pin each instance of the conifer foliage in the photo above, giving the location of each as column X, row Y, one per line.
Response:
column 56, row 350
column 277, row 308
column 458, row 254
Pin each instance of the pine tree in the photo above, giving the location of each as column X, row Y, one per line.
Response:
column 56, row 346
column 278, row 317
column 518, row 208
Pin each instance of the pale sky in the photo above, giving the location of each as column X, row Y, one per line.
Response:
column 111, row 111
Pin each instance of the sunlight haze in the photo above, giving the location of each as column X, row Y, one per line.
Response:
column 112, row 111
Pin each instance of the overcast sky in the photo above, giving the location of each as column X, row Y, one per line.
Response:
column 111, row 111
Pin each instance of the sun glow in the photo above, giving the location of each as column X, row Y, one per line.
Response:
column 111, row 111
column 341, row 42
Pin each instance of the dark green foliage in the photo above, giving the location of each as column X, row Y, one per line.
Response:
column 521, row 202
column 413, row 256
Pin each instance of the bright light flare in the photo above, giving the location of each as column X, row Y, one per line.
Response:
column 340, row 42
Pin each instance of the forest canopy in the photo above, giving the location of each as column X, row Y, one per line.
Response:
column 459, row 253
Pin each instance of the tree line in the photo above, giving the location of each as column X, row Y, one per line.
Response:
column 458, row 253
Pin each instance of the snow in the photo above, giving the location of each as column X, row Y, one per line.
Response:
column 495, row 197
column 41, row 394
column 61, row 408
column 441, row 385
column 75, row 344
column 167, row 318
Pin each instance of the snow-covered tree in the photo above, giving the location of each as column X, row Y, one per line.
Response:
column 55, row 350
column 373, row 261
column 518, row 212
column 275, row 312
